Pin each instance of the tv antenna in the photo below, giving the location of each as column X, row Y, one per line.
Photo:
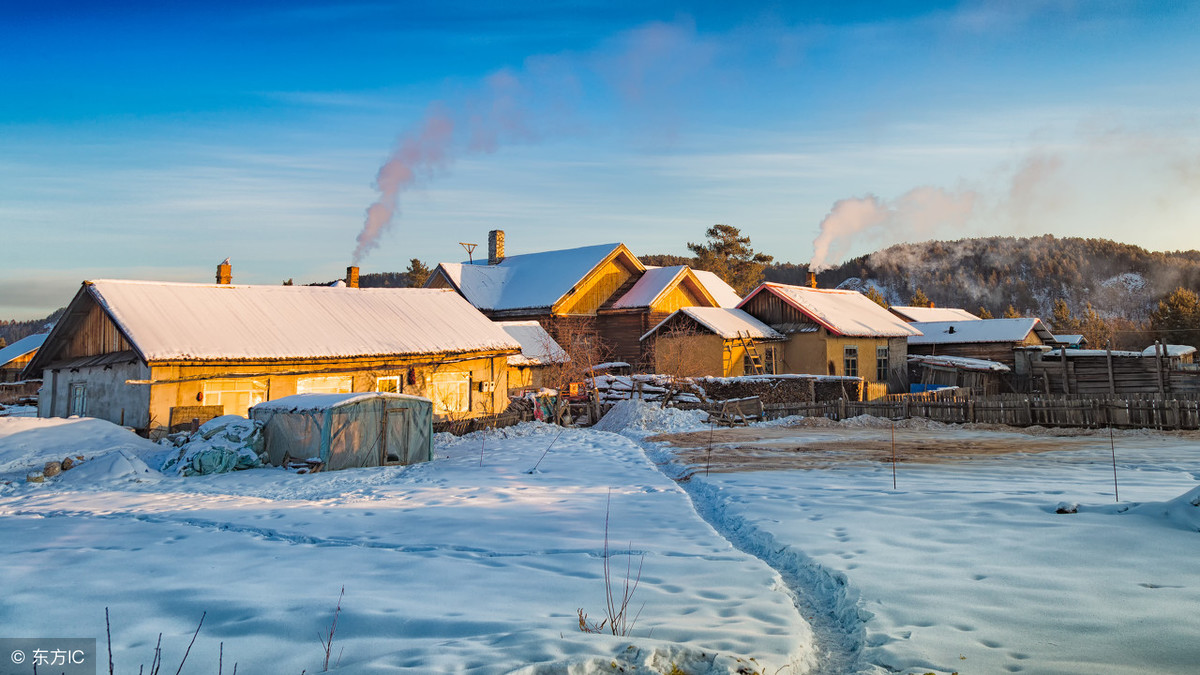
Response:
column 470, row 249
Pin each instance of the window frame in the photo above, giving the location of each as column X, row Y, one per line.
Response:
column 399, row 380
column 462, row 381
column 850, row 360
column 883, row 362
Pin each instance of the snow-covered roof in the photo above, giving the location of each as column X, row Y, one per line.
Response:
column 174, row 321
column 1068, row 339
column 654, row 282
column 722, row 292
column 960, row 363
column 848, row 313
column 537, row 347
column 308, row 402
column 25, row 345
column 980, row 330
column 932, row 313
column 1170, row 350
column 527, row 280
column 725, row 322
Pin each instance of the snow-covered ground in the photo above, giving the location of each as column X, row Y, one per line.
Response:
column 967, row 566
column 794, row 551
column 448, row 566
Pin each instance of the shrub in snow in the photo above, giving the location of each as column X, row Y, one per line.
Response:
column 224, row 444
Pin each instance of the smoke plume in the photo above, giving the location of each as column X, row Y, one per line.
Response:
column 921, row 210
column 645, row 69
column 422, row 151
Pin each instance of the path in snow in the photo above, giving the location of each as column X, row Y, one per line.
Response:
column 821, row 596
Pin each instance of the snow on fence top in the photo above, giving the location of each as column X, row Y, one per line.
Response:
column 21, row 347
column 537, row 347
column 847, row 313
column 727, row 323
column 175, row 321
column 933, row 313
column 980, row 330
column 527, row 280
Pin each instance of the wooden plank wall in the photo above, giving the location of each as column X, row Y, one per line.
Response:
column 1141, row 411
column 1091, row 375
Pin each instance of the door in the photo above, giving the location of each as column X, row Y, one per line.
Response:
column 395, row 437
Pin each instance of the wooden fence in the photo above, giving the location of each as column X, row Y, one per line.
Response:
column 1142, row 411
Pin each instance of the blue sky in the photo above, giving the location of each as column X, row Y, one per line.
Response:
column 152, row 140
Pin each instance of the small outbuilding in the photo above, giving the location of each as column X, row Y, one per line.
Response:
column 14, row 357
column 346, row 431
column 539, row 353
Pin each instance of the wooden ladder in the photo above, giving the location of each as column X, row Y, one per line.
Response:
column 755, row 358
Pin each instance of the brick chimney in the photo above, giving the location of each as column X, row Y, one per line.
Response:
column 225, row 272
column 495, row 247
column 352, row 277
column 812, row 279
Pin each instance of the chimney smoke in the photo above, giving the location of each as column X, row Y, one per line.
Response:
column 225, row 272
column 352, row 277
column 495, row 247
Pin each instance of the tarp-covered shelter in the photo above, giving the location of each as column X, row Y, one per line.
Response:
column 345, row 431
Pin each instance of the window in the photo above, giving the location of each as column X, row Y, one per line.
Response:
column 850, row 361
column 390, row 384
column 325, row 384
column 769, row 359
column 450, row 392
column 78, row 399
column 881, row 364
column 237, row 396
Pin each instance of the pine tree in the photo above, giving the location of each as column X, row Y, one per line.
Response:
column 1061, row 319
column 728, row 255
column 1177, row 318
column 984, row 313
column 877, row 297
column 1094, row 328
column 919, row 299
column 417, row 273
column 1011, row 313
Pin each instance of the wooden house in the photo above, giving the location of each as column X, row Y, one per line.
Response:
column 604, row 288
column 925, row 314
column 14, row 357
column 987, row 339
column 155, row 355
column 713, row 341
column 835, row 332
column 539, row 354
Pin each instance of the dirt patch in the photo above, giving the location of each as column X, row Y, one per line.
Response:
column 779, row 448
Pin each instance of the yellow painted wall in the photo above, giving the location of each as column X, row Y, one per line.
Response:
column 281, row 380
column 677, row 298
column 690, row 355
column 820, row 353
column 596, row 289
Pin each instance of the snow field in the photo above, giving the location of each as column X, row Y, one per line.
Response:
column 967, row 567
column 448, row 566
